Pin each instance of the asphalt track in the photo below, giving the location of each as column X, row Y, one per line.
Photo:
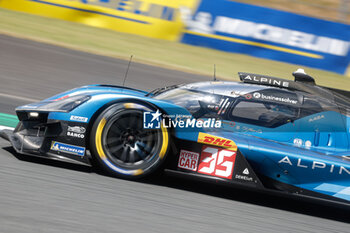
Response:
column 37, row 195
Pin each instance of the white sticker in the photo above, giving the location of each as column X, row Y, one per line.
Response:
column 188, row 160
column 79, row 118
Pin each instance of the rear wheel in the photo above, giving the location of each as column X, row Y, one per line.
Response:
column 122, row 146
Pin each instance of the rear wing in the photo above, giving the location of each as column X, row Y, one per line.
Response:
column 302, row 82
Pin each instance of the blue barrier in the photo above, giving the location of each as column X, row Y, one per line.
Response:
column 268, row 33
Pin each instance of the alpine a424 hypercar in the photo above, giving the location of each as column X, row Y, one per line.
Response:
column 263, row 133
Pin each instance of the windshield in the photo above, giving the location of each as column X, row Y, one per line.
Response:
column 189, row 99
column 264, row 114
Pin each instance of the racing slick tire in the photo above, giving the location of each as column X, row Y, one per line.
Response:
column 121, row 145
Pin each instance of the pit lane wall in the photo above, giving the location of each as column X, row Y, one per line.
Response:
column 220, row 24
column 267, row 33
column 152, row 18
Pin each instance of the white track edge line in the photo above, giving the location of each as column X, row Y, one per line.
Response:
column 6, row 127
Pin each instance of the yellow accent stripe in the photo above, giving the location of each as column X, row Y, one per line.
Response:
column 129, row 105
column 165, row 142
column 262, row 45
column 98, row 139
column 138, row 172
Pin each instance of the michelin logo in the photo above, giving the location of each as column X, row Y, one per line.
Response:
column 204, row 22
column 66, row 148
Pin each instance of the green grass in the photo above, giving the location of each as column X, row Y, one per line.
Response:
column 151, row 51
column 8, row 120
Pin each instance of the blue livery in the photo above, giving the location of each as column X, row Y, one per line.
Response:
column 265, row 133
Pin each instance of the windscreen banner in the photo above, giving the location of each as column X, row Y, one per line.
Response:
column 262, row 32
column 152, row 18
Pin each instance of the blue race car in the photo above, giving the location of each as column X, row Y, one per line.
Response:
column 263, row 133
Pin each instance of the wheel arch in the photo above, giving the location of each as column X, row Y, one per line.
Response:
column 107, row 112
column 116, row 101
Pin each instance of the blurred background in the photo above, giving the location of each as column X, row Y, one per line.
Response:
column 335, row 10
column 272, row 37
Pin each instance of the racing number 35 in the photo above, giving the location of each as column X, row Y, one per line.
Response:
column 217, row 162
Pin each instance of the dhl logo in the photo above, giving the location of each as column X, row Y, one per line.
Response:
column 216, row 141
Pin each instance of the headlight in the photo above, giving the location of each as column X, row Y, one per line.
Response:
column 67, row 104
column 63, row 105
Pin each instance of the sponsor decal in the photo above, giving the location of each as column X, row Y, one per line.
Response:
column 316, row 118
column 79, row 118
column 153, row 120
column 287, row 100
column 229, row 123
column 246, row 178
column 248, row 129
column 213, row 107
column 245, row 175
column 153, row 9
column 248, row 96
column 217, row 162
column 241, row 128
column 216, row 141
column 76, row 131
column 298, row 142
column 246, row 171
column 308, row 144
column 315, row 165
column 265, row 80
column 257, row 95
column 188, row 160
column 75, row 135
column 211, row 25
column 66, row 148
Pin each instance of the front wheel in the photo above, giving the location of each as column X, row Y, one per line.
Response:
column 122, row 146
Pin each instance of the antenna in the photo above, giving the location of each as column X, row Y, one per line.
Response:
column 214, row 72
column 127, row 70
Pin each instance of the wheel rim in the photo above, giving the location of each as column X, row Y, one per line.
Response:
column 126, row 143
